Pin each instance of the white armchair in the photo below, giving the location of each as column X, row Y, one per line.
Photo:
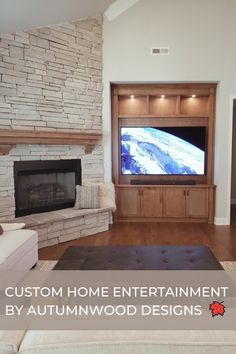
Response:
column 18, row 248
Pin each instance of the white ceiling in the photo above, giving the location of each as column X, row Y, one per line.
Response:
column 18, row 15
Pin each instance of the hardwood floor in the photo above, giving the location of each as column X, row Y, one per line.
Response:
column 221, row 239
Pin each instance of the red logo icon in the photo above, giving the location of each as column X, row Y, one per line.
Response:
column 217, row 308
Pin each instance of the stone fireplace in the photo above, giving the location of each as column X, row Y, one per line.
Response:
column 91, row 169
column 51, row 128
column 50, row 83
column 42, row 186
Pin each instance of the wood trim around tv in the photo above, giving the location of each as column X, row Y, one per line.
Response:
column 201, row 113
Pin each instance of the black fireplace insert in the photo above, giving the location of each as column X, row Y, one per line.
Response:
column 42, row 186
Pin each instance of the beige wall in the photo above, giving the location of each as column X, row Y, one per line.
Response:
column 199, row 34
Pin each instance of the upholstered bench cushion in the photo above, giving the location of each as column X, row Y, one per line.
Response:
column 129, row 342
column 138, row 258
column 16, row 246
column 10, row 341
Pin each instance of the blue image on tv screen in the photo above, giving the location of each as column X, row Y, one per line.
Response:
column 153, row 151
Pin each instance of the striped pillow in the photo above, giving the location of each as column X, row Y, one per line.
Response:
column 87, row 197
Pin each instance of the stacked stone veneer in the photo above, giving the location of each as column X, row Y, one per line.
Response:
column 51, row 79
column 68, row 224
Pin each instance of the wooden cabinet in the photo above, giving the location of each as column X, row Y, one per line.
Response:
column 164, row 196
column 151, row 202
column 197, row 203
column 186, row 202
column 140, row 202
column 128, row 202
column 165, row 203
column 174, row 202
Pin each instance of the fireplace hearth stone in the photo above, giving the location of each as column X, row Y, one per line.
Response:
column 67, row 224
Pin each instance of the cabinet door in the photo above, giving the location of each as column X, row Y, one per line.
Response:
column 174, row 202
column 128, row 202
column 151, row 202
column 197, row 203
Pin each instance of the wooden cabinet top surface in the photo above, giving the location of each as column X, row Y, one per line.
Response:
column 195, row 186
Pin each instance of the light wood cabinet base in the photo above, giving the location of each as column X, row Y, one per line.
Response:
column 165, row 203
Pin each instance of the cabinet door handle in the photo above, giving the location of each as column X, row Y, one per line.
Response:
column 184, row 193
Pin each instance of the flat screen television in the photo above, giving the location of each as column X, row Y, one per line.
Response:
column 163, row 150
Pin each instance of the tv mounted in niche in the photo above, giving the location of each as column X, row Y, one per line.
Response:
column 163, row 150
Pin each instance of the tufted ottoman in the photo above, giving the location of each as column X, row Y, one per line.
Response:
column 18, row 250
column 138, row 258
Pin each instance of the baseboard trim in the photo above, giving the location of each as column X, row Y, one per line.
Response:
column 221, row 221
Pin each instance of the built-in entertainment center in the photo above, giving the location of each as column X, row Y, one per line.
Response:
column 163, row 151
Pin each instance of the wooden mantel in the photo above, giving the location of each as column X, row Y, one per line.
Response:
column 12, row 136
